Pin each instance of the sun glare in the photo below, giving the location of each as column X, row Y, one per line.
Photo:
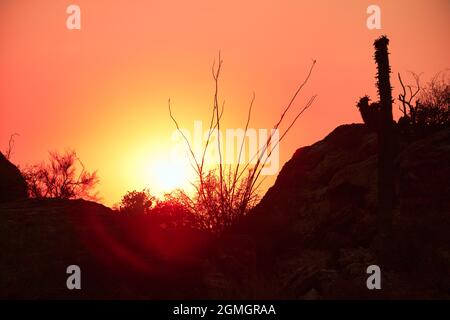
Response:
column 166, row 175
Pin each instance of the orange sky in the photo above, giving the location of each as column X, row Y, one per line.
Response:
column 103, row 90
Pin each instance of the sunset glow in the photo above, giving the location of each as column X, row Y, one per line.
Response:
column 224, row 158
column 103, row 90
column 165, row 175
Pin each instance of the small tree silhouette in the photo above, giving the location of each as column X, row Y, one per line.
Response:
column 61, row 178
column 137, row 202
column 227, row 193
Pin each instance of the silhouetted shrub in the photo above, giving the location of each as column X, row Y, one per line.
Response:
column 433, row 102
column 215, row 206
column 174, row 211
column 136, row 202
column 63, row 177
column 426, row 108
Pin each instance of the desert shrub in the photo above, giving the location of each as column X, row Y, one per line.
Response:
column 136, row 202
column 174, row 211
column 217, row 204
column 64, row 177
column 433, row 102
column 426, row 108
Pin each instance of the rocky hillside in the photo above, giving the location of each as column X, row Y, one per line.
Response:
column 311, row 237
column 316, row 228
column 121, row 257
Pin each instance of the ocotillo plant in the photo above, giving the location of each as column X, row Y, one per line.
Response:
column 386, row 143
column 225, row 194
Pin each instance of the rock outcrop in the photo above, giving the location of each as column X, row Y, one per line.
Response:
column 316, row 227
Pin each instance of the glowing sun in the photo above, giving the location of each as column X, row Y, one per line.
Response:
column 165, row 175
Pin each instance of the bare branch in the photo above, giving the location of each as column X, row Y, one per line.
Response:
column 276, row 126
column 9, row 151
column 184, row 137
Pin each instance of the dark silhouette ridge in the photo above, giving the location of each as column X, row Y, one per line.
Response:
column 12, row 184
column 312, row 235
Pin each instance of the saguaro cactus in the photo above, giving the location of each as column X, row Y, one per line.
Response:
column 386, row 143
column 378, row 117
column 383, row 81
